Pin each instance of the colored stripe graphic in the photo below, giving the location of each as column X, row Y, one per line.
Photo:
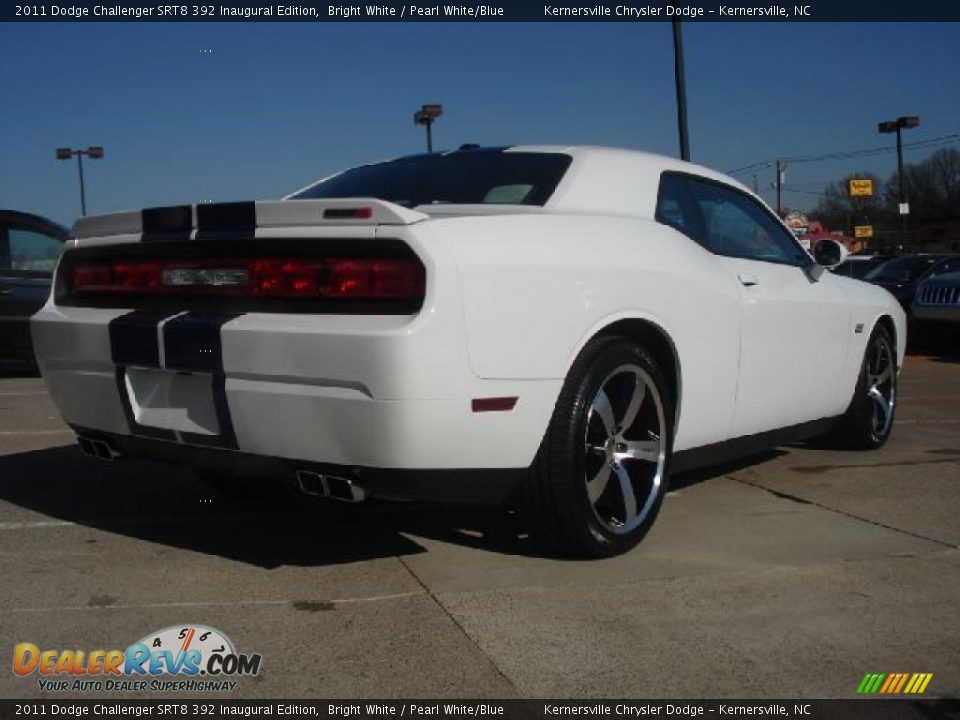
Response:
column 900, row 684
column 894, row 683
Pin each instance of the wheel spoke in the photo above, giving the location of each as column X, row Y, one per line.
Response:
column 878, row 379
column 881, row 402
column 626, row 488
column 885, row 375
column 636, row 400
column 601, row 406
column 597, row 485
column 648, row 450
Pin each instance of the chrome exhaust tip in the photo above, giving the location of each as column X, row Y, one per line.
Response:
column 332, row 487
column 100, row 449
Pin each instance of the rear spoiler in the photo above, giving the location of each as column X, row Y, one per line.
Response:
column 212, row 220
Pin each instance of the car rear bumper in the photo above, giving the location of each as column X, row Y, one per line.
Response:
column 391, row 393
column 472, row 486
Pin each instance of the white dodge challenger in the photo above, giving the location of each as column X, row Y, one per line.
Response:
column 561, row 327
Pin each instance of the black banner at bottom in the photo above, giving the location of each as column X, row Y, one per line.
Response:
column 921, row 709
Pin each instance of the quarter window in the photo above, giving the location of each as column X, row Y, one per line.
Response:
column 677, row 207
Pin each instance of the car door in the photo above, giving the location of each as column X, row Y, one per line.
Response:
column 794, row 329
column 28, row 255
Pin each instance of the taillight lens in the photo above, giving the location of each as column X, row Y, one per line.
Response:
column 368, row 279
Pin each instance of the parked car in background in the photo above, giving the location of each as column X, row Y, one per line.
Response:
column 901, row 274
column 559, row 326
column 29, row 249
column 937, row 299
column 856, row 266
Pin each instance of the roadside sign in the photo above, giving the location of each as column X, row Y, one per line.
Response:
column 861, row 187
column 863, row 231
column 904, row 208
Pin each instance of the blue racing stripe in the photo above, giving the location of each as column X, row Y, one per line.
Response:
column 192, row 343
column 134, row 340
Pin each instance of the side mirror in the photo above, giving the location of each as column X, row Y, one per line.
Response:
column 829, row 253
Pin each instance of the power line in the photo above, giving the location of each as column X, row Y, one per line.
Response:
column 850, row 154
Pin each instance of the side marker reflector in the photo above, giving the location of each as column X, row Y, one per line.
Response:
column 497, row 404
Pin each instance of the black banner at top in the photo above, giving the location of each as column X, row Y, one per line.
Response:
column 626, row 11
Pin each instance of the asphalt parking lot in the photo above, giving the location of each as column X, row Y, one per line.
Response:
column 790, row 575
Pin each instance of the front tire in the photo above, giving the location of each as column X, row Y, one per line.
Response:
column 868, row 421
column 599, row 478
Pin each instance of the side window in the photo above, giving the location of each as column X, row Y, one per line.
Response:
column 677, row 208
column 943, row 268
column 738, row 226
column 32, row 252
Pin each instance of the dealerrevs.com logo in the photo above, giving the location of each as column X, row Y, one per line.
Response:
column 179, row 658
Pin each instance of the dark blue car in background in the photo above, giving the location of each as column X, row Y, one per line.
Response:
column 901, row 274
column 29, row 249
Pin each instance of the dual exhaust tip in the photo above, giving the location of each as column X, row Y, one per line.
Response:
column 309, row 482
column 100, row 449
column 332, row 487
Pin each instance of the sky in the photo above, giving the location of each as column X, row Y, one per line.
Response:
column 192, row 112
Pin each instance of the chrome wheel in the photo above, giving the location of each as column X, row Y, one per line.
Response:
column 881, row 385
column 624, row 449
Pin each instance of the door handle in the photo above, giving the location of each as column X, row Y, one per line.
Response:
column 747, row 280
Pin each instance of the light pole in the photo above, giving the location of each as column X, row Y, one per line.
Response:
column 425, row 116
column 679, row 78
column 895, row 126
column 94, row 152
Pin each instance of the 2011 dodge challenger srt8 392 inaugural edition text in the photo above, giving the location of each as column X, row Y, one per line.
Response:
column 560, row 327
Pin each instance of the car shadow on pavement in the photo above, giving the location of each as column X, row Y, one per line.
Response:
column 939, row 345
column 167, row 505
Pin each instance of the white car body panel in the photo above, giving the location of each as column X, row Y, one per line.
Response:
column 513, row 294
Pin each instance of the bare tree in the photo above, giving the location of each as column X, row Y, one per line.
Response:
column 836, row 210
column 932, row 186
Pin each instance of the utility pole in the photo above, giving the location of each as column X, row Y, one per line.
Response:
column 678, row 73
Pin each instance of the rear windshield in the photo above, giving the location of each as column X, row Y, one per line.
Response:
column 468, row 177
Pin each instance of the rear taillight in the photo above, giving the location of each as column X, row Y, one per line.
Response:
column 335, row 278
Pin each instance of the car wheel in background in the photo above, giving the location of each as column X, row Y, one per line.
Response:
column 600, row 475
column 868, row 421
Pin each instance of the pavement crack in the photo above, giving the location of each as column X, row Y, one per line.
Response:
column 838, row 511
column 818, row 469
column 459, row 626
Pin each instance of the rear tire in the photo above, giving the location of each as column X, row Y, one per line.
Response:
column 868, row 421
column 598, row 480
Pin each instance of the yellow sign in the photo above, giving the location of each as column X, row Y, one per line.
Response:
column 861, row 187
column 863, row 231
